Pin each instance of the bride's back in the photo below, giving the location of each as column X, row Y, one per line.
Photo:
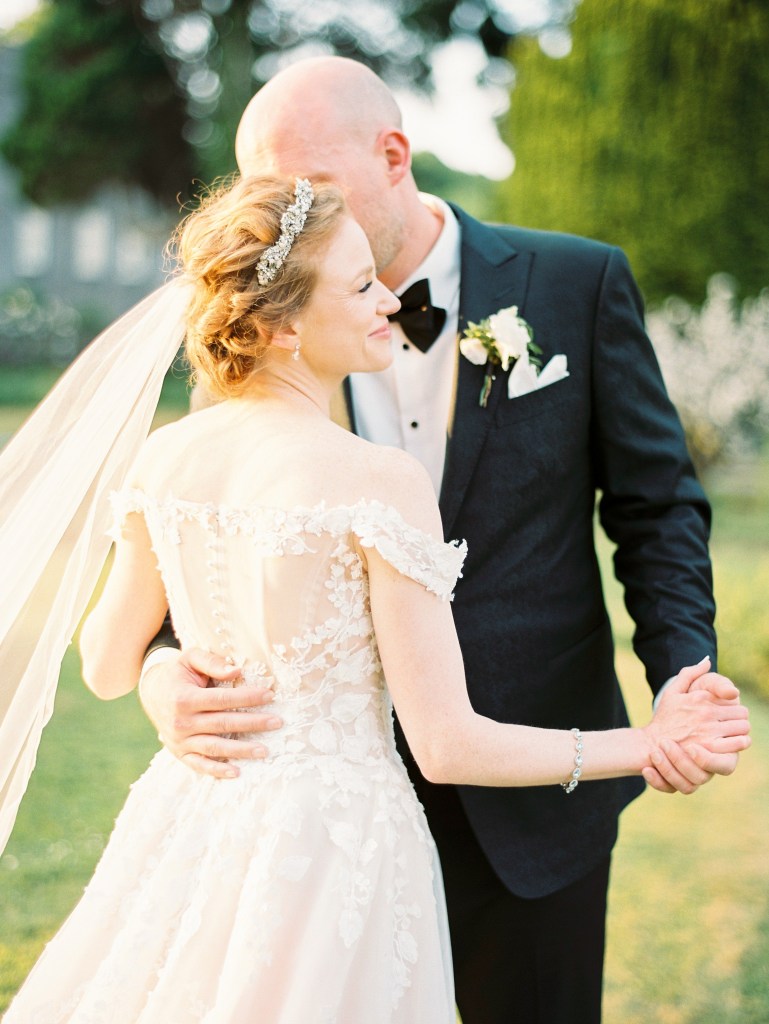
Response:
column 264, row 452
column 259, row 518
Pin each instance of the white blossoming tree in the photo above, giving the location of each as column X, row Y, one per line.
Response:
column 715, row 361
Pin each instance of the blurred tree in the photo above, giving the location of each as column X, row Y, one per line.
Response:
column 97, row 106
column 146, row 91
column 470, row 191
column 651, row 134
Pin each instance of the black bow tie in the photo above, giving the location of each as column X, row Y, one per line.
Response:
column 421, row 321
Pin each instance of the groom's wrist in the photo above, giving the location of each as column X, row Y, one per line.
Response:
column 658, row 696
column 157, row 656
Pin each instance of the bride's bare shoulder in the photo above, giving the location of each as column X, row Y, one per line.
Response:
column 244, row 454
column 393, row 477
column 166, row 446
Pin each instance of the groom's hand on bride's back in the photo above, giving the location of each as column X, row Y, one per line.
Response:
column 192, row 717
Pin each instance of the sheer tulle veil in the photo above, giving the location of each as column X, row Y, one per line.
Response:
column 56, row 474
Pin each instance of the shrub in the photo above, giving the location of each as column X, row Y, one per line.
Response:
column 715, row 361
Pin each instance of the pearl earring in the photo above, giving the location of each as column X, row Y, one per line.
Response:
column 295, row 353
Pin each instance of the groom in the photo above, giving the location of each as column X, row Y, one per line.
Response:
column 526, row 870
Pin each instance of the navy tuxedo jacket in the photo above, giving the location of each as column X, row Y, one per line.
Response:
column 520, row 486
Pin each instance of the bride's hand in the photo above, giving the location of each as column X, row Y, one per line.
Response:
column 675, row 770
column 698, row 730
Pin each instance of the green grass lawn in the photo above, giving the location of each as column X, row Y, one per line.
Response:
column 688, row 926
column 688, row 929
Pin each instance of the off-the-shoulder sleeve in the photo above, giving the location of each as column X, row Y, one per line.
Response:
column 433, row 563
column 122, row 504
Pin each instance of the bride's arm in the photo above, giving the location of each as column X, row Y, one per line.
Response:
column 425, row 674
column 128, row 615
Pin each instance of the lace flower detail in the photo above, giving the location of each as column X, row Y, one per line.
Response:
column 433, row 563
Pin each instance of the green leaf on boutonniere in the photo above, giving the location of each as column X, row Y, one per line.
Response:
column 488, row 380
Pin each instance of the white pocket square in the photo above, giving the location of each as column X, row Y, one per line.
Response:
column 524, row 377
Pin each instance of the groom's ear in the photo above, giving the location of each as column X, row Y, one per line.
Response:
column 396, row 149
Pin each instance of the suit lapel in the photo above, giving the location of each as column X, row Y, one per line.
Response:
column 493, row 276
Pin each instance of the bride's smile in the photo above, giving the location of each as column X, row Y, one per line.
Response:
column 344, row 327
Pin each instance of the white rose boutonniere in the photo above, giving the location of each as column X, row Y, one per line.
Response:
column 499, row 341
column 512, row 335
column 504, row 340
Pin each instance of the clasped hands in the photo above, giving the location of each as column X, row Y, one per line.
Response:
column 698, row 729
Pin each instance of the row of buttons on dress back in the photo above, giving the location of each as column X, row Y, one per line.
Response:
column 214, row 568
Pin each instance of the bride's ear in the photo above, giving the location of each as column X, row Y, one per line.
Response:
column 286, row 338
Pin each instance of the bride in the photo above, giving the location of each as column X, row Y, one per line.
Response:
column 305, row 887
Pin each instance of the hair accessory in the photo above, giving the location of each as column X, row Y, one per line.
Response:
column 291, row 223
column 573, row 782
column 295, row 353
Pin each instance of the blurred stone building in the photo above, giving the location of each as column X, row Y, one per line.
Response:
column 97, row 258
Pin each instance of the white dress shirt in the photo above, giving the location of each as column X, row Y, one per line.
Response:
column 408, row 405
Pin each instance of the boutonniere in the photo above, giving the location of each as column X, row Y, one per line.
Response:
column 503, row 340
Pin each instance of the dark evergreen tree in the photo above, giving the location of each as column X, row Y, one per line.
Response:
column 470, row 191
column 651, row 134
column 98, row 106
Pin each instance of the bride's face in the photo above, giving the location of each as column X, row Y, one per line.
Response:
column 344, row 328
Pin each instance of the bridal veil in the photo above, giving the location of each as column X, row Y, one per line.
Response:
column 56, row 474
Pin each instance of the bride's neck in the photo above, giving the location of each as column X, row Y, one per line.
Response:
column 295, row 386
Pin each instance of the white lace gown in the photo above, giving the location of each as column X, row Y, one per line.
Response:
column 308, row 890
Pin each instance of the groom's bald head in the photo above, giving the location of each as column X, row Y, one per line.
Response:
column 331, row 117
column 323, row 102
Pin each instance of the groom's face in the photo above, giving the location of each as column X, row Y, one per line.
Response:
column 358, row 167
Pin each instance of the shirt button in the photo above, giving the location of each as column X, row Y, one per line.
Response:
column 414, row 424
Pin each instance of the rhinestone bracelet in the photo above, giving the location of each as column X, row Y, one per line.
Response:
column 573, row 782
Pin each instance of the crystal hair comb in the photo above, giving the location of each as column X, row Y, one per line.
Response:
column 291, row 224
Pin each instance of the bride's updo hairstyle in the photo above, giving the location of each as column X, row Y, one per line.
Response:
column 233, row 316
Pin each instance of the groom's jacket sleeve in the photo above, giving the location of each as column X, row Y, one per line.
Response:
column 651, row 505
column 165, row 638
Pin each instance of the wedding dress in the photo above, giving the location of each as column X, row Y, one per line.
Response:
column 307, row 890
